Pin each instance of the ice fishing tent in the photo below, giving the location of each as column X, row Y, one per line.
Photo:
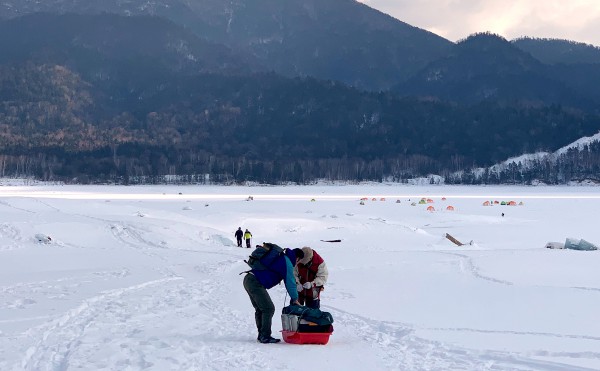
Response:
column 431, row 208
column 555, row 245
column 512, row 203
column 450, row 208
column 487, row 203
column 422, row 202
column 43, row 238
column 575, row 244
column 429, row 201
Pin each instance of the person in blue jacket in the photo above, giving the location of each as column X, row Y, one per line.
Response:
column 257, row 282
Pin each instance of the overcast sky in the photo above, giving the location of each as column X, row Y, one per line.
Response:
column 577, row 20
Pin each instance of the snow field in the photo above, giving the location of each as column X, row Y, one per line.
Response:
column 139, row 278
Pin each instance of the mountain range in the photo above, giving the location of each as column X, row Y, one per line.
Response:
column 333, row 39
column 274, row 91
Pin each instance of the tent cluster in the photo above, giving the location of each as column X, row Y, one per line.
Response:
column 573, row 244
column 425, row 201
column 422, row 201
column 503, row 203
column 430, row 208
column 373, row 199
column 448, row 208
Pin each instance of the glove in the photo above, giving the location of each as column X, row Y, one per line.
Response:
column 308, row 285
column 299, row 287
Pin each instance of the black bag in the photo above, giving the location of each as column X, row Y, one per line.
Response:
column 309, row 327
column 310, row 320
column 263, row 256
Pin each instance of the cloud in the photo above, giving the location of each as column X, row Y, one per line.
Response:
column 576, row 20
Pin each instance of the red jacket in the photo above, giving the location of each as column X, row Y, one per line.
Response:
column 308, row 273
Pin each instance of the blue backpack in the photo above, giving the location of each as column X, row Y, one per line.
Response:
column 264, row 256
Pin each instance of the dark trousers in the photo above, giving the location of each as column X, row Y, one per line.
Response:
column 239, row 241
column 248, row 243
column 262, row 303
column 309, row 302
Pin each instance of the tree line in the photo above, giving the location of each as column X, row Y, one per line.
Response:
column 58, row 126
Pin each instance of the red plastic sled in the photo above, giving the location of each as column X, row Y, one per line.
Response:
column 294, row 337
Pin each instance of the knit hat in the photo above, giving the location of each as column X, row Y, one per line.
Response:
column 299, row 253
column 293, row 254
column 308, row 255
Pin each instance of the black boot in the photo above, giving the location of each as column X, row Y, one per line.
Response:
column 268, row 340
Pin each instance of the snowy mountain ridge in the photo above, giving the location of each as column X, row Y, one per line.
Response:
column 527, row 161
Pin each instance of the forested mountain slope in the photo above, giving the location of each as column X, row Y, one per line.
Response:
column 341, row 40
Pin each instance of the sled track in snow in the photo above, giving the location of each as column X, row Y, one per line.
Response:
column 16, row 208
column 402, row 350
column 133, row 237
column 586, row 288
column 128, row 233
column 467, row 265
column 524, row 333
column 56, row 289
column 61, row 336
column 125, row 329
column 12, row 234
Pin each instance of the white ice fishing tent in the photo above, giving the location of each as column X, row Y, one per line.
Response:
column 555, row 245
column 42, row 238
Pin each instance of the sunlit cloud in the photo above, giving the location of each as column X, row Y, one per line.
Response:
column 576, row 20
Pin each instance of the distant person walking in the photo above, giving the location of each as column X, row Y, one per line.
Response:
column 247, row 237
column 238, row 235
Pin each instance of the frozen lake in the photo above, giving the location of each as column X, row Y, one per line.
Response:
column 147, row 277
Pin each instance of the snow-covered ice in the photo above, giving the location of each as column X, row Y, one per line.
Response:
column 136, row 278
